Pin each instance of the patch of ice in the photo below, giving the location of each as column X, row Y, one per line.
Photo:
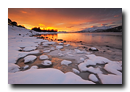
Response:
column 110, row 79
column 75, row 71
column 13, row 68
column 59, row 47
column 29, row 58
column 93, row 78
column 46, row 63
column 66, row 62
column 42, row 57
column 113, row 67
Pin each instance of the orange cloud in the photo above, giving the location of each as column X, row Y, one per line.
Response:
column 23, row 12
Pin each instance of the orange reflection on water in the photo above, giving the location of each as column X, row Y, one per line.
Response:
column 50, row 36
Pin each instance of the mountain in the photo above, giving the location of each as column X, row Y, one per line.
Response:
column 103, row 29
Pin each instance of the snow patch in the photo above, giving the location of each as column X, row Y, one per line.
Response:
column 93, row 78
column 13, row 68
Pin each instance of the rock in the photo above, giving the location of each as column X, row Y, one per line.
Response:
column 42, row 57
column 52, row 48
column 67, row 45
column 93, row 49
column 82, row 59
column 30, row 58
column 60, row 39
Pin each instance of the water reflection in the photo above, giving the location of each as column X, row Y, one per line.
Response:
column 89, row 38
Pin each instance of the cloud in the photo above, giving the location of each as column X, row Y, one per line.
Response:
column 103, row 24
column 23, row 12
column 93, row 26
column 112, row 23
column 70, row 27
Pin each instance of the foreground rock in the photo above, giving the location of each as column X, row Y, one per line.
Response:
column 93, row 49
column 42, row 57
column 65, row 62
column 46, row 63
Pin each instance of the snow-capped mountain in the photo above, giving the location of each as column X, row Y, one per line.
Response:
column 95, row 28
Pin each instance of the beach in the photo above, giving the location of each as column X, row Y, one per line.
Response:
column 74, row 62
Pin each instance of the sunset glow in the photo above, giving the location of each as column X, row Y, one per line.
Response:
column 66, row 19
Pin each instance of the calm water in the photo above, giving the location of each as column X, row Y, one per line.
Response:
column 111, row 39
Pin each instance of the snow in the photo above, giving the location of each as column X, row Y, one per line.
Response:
column 75, row 71
column 13, row 68
column 42, row 57
column 93, row 78
column 66, row 62
column 110, row 79
column 113, row 67
column 46, row 63
column 29, row 58
column 59, row 47
column 45, row 76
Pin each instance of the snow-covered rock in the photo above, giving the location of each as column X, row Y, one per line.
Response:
column 52, row 48
column 93, row 78
column 82, row 59
column 61, row 43
column 75, row 71
column 29, row 58
column 110, row 79
column 26, row 67
column 13, row 68
column 34, row 67
column 46, row 51
column 93, row 49
column 45, row 76
column 66, row 62
column 67, row 45
column 46, row 63
column 79, row 51
column 59, row 47
column 42, row 57
column 29, row 48
column 113, row 67
column 94, row 70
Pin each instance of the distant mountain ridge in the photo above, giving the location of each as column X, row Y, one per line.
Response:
column 103, row 29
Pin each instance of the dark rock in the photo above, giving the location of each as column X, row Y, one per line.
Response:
column 93, row 49
column 60, row 39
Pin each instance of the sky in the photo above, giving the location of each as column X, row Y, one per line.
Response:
column 66, row 19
